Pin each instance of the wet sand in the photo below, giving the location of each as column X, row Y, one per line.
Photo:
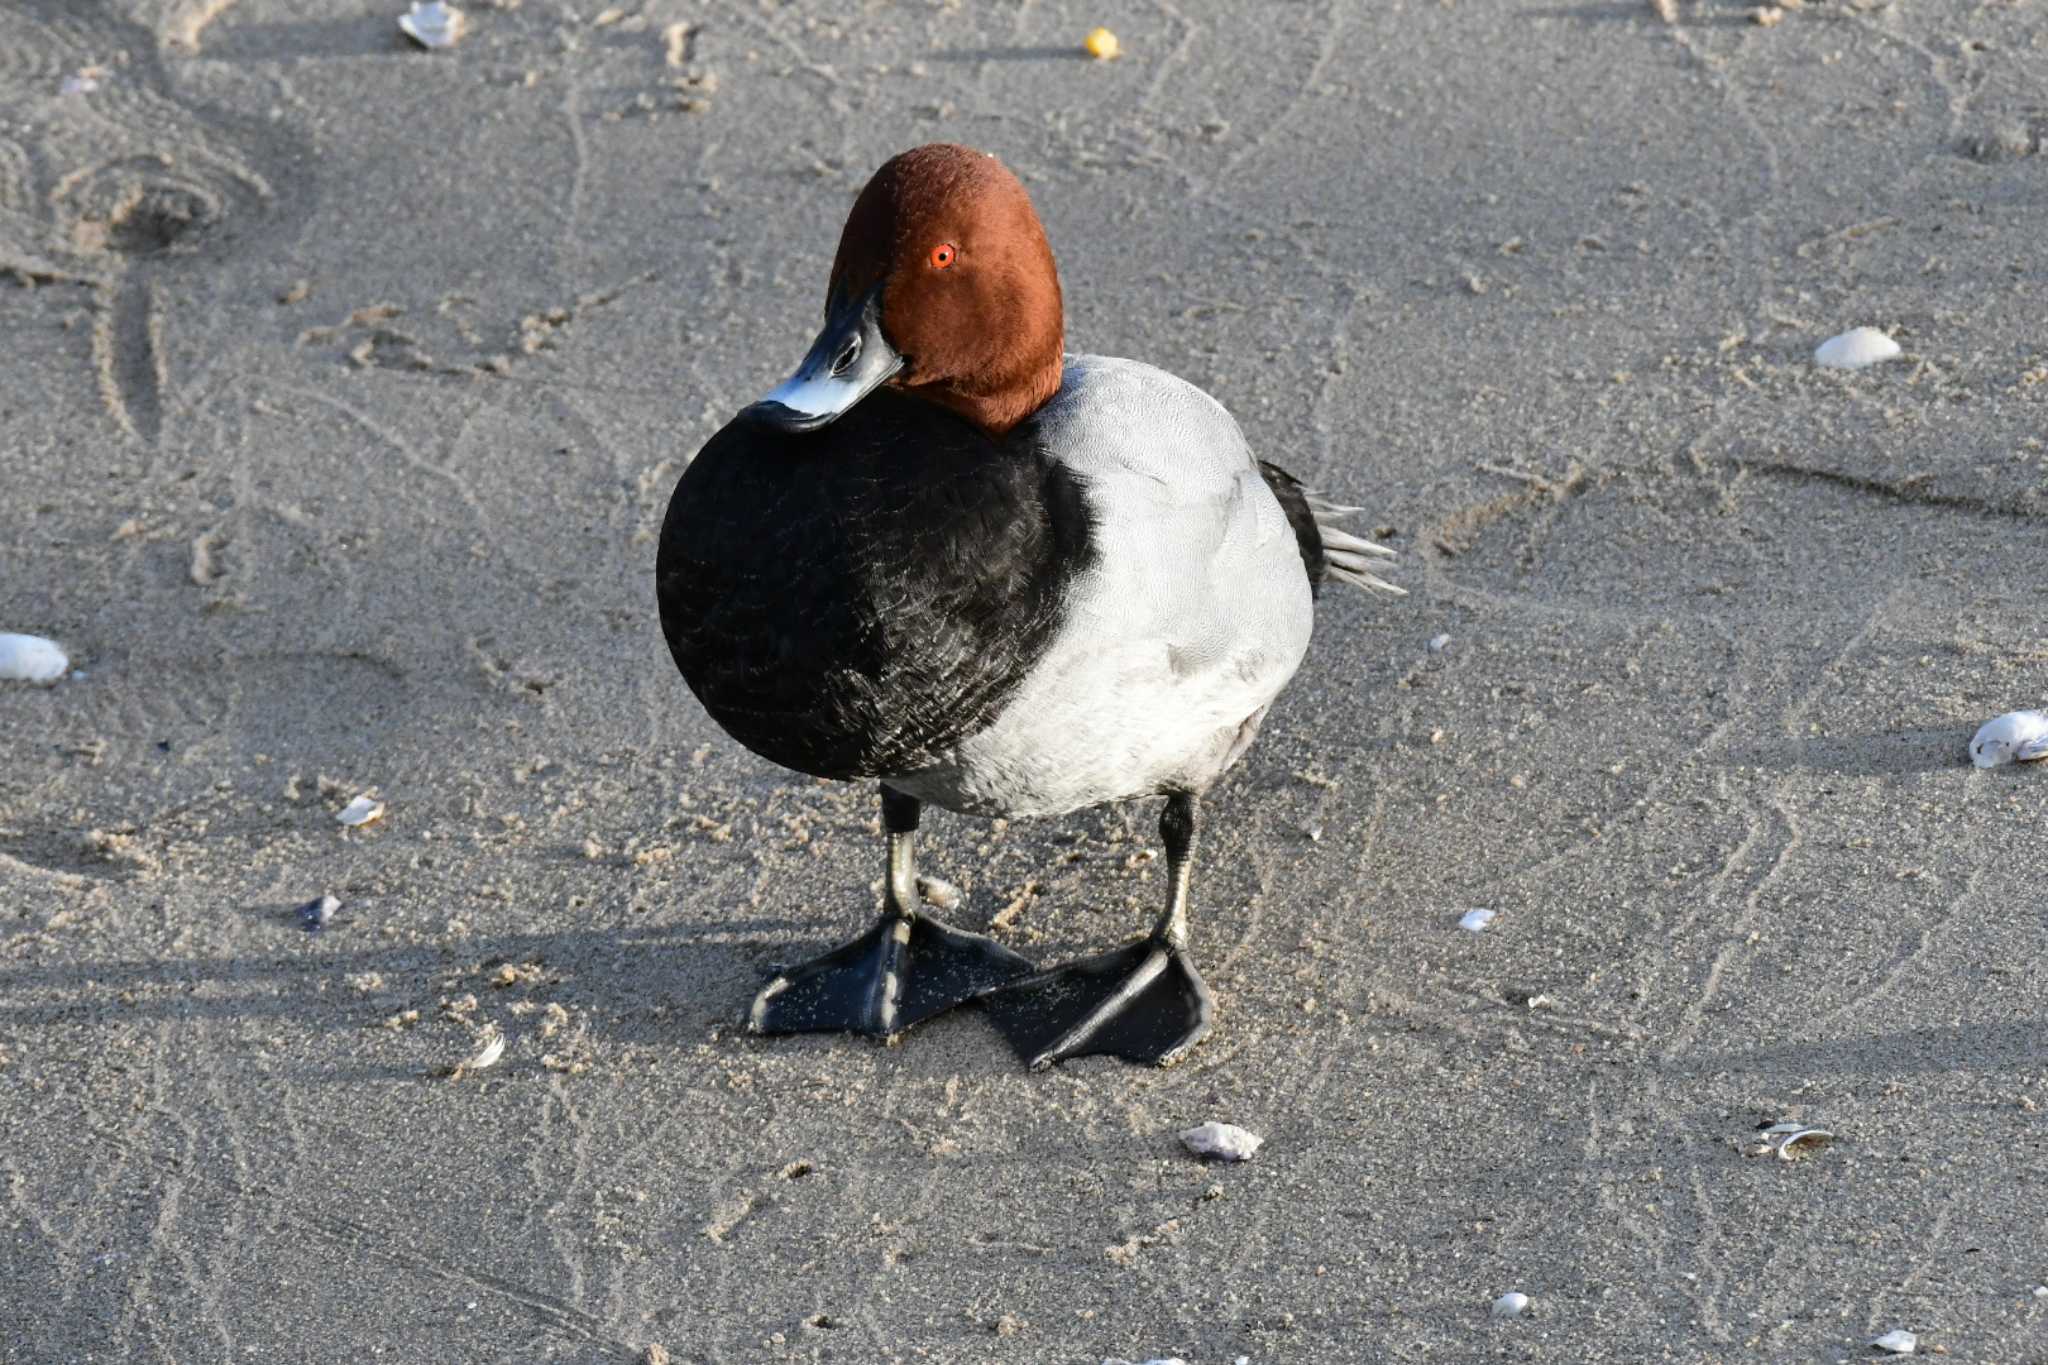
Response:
column 345, row 387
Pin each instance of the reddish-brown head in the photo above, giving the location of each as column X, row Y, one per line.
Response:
column 970, row 297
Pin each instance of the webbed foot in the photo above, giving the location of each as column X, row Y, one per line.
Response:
column 1144, row 1002
column 901, row 972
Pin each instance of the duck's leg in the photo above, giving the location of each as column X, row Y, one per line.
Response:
column 904, row 970
column 1143, row 1002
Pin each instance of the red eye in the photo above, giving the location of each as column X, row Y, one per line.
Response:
column 942, row 255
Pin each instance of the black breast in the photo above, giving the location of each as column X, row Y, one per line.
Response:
column 856, row 600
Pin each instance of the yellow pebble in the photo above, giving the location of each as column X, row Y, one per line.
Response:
column 1102, row 45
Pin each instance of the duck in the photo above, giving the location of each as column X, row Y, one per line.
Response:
column 949, row 557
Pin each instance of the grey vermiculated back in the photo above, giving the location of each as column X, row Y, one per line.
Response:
column 1194, row 614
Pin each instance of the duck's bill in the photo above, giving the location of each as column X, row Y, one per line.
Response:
column 849, row 360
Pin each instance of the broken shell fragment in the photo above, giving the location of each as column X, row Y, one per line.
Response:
column 315, row 913
column 1900, row 1343
column 1791, row 1141
column 1510, row 1305
column 1855, row 349
column 432, row 24
column 2016, row 737
column 488, row 1054
column 483, row 1059
column 938, row 892
column 1802, row 1143
column 1475, row 921
column 31, row 659
column 360, row 811
column 1225, row 1141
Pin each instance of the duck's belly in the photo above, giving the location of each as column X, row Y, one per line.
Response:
column 1070, row 756
column 1108, row 720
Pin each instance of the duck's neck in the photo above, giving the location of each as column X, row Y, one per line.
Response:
column 998, row 407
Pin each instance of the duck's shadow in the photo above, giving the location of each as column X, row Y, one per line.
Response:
column 683, row 981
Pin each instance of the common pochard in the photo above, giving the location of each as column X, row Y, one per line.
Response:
column 996, row 578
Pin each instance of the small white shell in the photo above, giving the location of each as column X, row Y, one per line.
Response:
column 360, row 811
column 937, row 891
column 2016, row 737
column 1855, row 349
column 1439, row 643
column 1224, row 1140
column 485, row 1057
column 1475, row 921
column 1791, row 1141
column 432, row 24
column 1900, row 1343
column 1510, row 1305
column 31, row 658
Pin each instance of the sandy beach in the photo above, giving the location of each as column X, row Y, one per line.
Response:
column 345, row 386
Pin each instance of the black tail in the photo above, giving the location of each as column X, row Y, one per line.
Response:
column 1327, row 549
